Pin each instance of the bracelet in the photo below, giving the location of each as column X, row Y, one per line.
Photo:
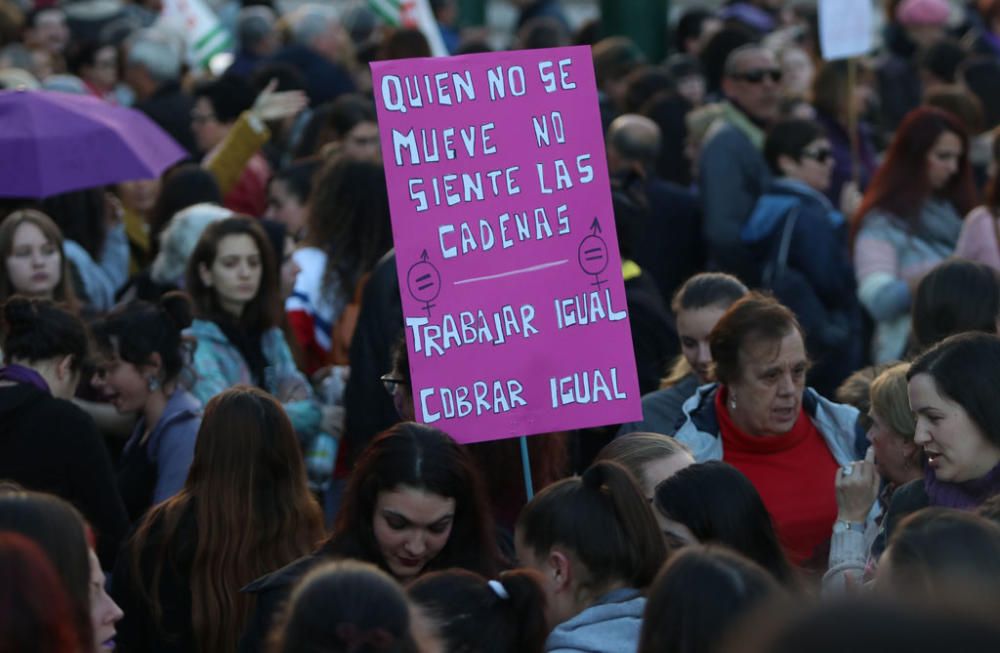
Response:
column 842, row 525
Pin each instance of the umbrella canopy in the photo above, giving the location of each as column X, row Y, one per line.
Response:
column 53, row 143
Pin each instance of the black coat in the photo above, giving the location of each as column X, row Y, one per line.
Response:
column 271, row 592
column 906, row 500
column 325, row 80
column 170, row 108
column 50, row 445
column 380, row 324
column 137, row 631
column 659, row 227
column 672, row 248
column 654, row 336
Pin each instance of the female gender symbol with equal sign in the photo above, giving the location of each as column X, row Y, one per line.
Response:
column 424, row 282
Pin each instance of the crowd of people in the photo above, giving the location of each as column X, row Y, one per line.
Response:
column 207, row 435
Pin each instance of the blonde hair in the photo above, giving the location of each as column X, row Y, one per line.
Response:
column 678, row 371
column 890, row 402
column 636, row 450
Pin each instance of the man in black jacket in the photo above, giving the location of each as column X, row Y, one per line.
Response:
column 152, row 70
column 317, row 39
column 665, row 239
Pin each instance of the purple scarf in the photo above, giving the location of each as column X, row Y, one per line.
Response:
column 22, row 374
column 966, row 495
column 993, row 41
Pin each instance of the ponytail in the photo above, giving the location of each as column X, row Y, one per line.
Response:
column 604, row 519
column 646, row 546
column 506, row 615
column 524, row 610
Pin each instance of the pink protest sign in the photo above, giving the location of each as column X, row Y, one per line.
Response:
column 509, row 271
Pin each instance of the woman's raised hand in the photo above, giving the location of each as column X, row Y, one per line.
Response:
column 857, row 488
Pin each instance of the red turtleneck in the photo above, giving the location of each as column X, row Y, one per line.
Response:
column 794, row 474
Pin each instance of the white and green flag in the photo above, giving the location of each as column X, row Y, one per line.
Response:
column 412, row 13
column 204, row 35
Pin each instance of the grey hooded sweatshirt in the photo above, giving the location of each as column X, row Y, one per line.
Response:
column 611, row 625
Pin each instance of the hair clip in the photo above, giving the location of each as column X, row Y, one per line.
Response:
column 499, row 589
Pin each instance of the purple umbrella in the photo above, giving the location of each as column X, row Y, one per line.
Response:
column 53, row 143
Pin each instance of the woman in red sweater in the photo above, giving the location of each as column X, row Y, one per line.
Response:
column 787, row 439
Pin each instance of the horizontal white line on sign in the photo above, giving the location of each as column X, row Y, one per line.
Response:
column 533, row 268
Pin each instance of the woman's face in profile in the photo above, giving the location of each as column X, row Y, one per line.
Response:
column 956, row 448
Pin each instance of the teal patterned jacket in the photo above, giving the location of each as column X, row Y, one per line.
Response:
column 217, row 366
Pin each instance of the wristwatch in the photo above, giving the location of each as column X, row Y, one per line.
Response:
column 842, row 526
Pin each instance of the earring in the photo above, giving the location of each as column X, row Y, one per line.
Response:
column 153, row 384
column 732, row 401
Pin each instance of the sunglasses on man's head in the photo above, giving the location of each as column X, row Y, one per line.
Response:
column 758, row 75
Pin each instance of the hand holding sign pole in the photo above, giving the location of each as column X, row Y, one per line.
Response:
column 845, row 32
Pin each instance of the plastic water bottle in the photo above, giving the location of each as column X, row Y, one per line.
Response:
column 319, row 461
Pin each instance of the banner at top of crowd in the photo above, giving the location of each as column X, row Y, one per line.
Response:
column 509, row 270
column 846, row 28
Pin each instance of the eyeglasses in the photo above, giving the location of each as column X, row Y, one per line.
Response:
column 819, row 155
column 201, row 117
column 390, row 383
column 758, row 75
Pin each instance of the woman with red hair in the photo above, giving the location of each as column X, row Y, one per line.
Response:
column 910, row 220
column 36, row 607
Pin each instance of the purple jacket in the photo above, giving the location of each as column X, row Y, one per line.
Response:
column 170, row 446
column 840, row 143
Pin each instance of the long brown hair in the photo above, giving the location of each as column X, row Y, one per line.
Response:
column 424, row 458
column 264, row 310
column 349, row 220
column 832, row 92
column 63, row 292
column 900, row 186
column 252, row 507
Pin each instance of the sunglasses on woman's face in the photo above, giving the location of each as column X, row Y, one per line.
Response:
column 758, row 75
column 819, row 154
